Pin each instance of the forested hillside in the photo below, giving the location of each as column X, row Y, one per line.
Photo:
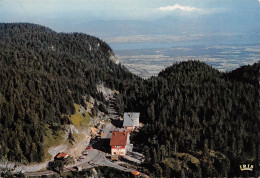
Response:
column 209, row 116
column 42, row 73
column 198, row 121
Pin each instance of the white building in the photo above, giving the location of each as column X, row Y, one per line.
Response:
column 131, row 120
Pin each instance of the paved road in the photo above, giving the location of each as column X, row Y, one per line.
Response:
column 87, row 162
column 95, row 158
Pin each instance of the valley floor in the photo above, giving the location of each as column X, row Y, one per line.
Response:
column 149, row 62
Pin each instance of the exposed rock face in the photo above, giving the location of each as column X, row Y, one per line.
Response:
column 107, row 92
column 113, row 58
column 42, row 74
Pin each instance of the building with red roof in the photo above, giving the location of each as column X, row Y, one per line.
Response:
column 61, row 155
column 120, row 143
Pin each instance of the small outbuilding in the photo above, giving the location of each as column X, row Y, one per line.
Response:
column 61, row 156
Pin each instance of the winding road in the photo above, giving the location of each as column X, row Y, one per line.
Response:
column 95, row 158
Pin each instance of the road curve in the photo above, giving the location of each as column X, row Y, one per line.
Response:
column 95, row 158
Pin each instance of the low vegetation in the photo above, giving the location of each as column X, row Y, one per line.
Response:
column 51, row 138
column 80, row 119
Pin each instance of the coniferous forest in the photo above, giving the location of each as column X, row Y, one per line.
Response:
column 198, row 121
column 42, row 73
column 209, row 116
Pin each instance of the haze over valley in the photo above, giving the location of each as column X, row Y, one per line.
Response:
column 148, row 36
column 149, row 62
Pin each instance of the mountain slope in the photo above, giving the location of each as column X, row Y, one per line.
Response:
column 198, row 121
column 192, row 108
column 42, row 73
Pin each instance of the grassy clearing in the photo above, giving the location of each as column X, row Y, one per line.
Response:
column 79, row 119
column 51, row 139
column 90, row 105
column 55, row 138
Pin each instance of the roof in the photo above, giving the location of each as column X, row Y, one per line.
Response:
column 118, row 138
column 136, row 173
column 61, row 155
column 129, row 118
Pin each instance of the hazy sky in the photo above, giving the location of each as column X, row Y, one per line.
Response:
column 121, row 9
column 142, row 20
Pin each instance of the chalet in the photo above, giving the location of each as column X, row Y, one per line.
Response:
column 120, row 143
column 131, row 120
column 61, row 155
